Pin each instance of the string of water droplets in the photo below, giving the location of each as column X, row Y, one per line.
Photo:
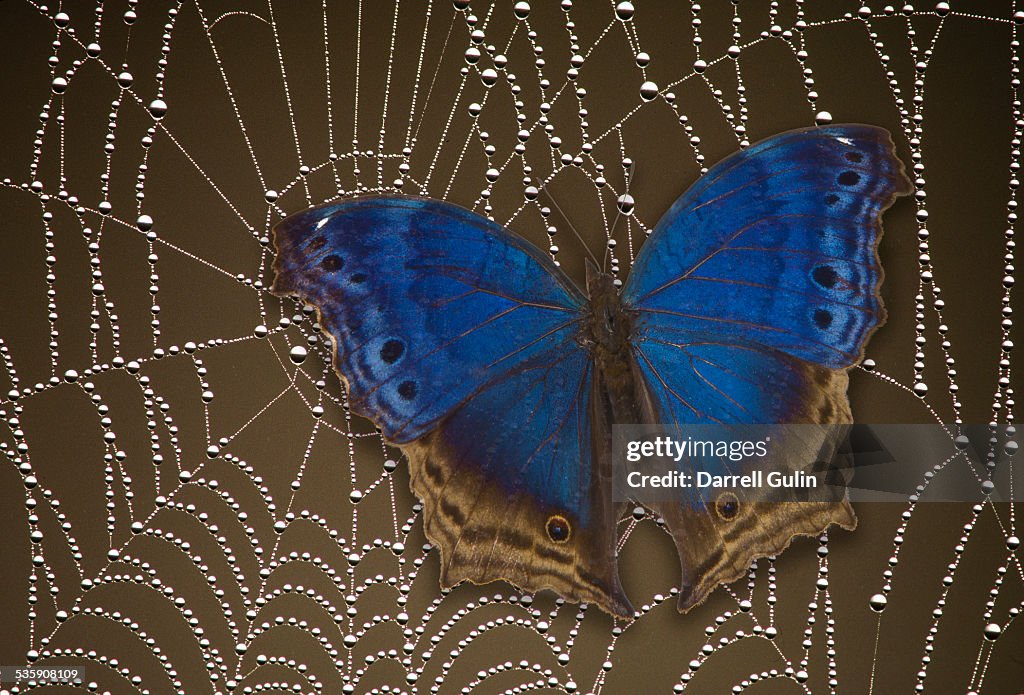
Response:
column 248, row 598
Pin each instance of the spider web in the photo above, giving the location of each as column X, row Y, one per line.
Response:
column 188, row 504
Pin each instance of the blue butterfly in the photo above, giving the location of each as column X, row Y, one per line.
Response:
column 500, row 379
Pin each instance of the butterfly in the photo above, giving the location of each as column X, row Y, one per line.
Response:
column 500, row 379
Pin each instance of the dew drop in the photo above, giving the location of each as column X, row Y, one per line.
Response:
column 823, row 118
column 648, row 90
column 297, row 354
column 158, row 108
column 625, row 203
column 271, row 195
column 878, row 602
column 625, row 11
column 992, row 632
column 125, row 79
column 521, row 10
column 58, row 85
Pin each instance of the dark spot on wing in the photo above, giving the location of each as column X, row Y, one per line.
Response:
column 823, row 318
column 407, row 390
column 318, row 243
column 358, row 277
column 727, row 505
column 831, row 199
column 854, row 157
column 392, row 350
column 558, row 529
column 453, row 512
column 825, row 275
column 332, row 263
column 849, row 178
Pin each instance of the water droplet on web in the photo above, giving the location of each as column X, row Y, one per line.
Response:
column 625, row 203
column 521, row 10
column 297, row 354
column 158, row 108
column 823, row 118
column 125, row 79
column 648, row 90
column 625, row 11
column 270, row 196
column 878, row 602
column 992, row 631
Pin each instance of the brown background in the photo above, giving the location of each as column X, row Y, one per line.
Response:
column 204, row 186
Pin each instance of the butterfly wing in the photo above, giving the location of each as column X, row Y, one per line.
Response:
column 458, row 340
column 752, row 296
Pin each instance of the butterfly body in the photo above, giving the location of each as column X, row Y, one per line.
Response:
column 608, row 333
column 501, row 379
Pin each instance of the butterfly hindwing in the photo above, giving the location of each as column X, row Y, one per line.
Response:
column 458, row 339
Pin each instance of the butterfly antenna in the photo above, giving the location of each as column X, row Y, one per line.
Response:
column 565, row 217
column 620, row 202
